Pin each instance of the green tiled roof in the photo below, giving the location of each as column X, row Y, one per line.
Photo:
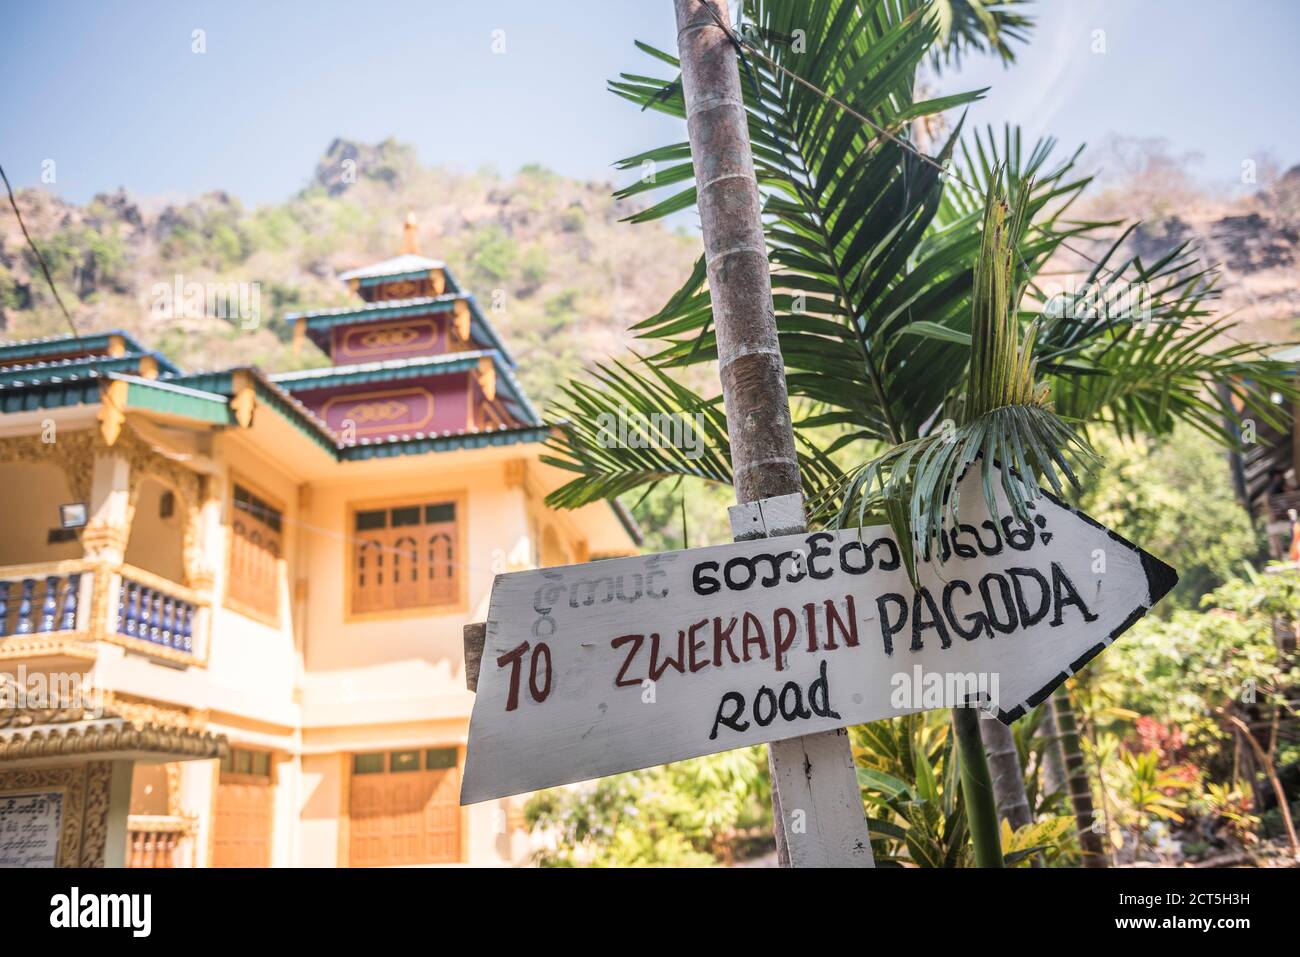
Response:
column 418, row 445
column 391, row 370
column 31, row 396
column 321, row 321
column 172, row 399
column 96, row 343
column 67, row 369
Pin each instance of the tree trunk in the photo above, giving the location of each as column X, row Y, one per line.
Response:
column 1053, row 758
column 752, row 370
column 977, row 788
column 1090, row 842
column 1008, row 776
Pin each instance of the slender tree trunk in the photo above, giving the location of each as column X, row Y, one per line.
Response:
column 1053, row 758
column 977, row 788
column 1270, row 771
column 1090, row 842
column 752, row 370
column 1008, row 776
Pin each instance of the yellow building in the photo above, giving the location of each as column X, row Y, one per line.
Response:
column 243, row 593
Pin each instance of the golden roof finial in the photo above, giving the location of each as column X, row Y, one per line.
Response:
column 410, row 241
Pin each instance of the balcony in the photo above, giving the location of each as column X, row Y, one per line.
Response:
column 63, row 608
column 42, row 599
column 157, row 840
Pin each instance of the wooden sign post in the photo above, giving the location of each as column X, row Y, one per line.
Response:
column 589, row 670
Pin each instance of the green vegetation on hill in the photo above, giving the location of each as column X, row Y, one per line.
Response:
column 545, row 256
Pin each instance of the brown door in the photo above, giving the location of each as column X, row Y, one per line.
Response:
column 245, row 798
column 404, row 808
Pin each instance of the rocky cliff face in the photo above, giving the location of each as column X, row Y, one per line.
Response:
column 1254, row 243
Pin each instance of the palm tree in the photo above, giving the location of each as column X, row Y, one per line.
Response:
column 986, row 26
column 875, row 250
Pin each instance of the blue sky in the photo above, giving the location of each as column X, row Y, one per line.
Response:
column 113, row 93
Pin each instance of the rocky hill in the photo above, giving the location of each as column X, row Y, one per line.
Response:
column 1253, row 240
column 545, row 255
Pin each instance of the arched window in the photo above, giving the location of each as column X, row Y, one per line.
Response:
column 417, row 543
column 254, row 569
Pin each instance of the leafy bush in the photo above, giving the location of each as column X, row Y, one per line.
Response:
column 690, row 814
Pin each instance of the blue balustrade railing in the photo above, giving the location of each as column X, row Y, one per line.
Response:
column 152, row 615
column 39, row 604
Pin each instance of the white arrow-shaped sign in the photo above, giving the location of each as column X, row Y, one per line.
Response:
column 614, row 665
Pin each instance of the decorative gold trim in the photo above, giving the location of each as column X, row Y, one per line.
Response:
column 94, row 834
column 243, row 397
column 162, row 823
column 460, row 317
column 112, row 409
column 148, row 367
column 71, row 452
column 68, row 644
column 68, row 781
column 516, row 473
column 417, row 324
column 360, row 398
column 487, row 377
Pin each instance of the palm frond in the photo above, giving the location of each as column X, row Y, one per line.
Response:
column 1007, row 427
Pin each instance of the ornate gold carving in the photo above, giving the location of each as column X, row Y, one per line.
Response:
column 516, row 473
column 368, row 412
column 388, row 338
column 438, row 280
column 71, row 782
column 70, row 451
column 100, row 536
column 381, row 406
column 148, row 367
column 402, row 289
column 94, row 834
column 299, row 335
column 244, row 397
column 460, row 320
column 112, row 409
column 389, row 335
column 142, row 712
column 65, row 645
column 487, row 377
column 144, row 461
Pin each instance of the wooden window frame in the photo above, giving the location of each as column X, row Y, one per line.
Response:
column 235, row 777
column 234, row 604
column 459, row 605
column 349, row 774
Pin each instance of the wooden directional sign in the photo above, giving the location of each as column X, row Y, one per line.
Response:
column 593, row 669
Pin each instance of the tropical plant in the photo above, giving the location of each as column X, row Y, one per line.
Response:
column 688, row 814
column 1047, row 837
column 990, row 26
column 908, row 773
column 1147, row 793
column 890, row 320
column 874, row 253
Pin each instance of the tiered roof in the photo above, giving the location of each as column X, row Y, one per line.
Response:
column 435, row 374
